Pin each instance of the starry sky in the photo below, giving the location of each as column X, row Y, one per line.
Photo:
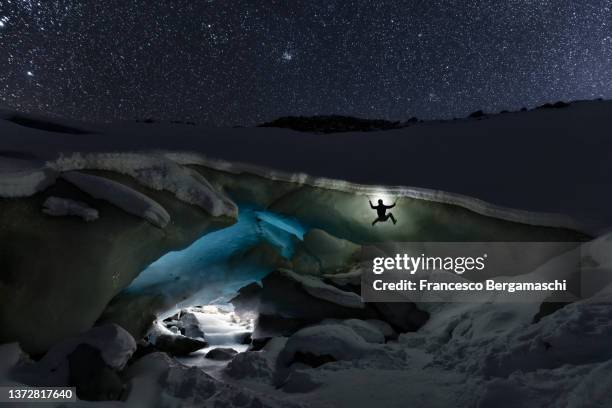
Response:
column 234, row 62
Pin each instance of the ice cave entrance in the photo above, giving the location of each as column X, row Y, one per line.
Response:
column 210, row 271
column 215, row 266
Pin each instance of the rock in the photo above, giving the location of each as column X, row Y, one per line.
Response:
column 93, row 378
column 115, row 345
column 289, row 301
column 404, row 316
column 247, row 299
column 259, row 343
column 190, row 326
column 143, row 348
column 158, row 380
column 257, row 365
column 178, row 345
column 221, row 353
column 330, row 342
column 247, row 338
column 252, row 365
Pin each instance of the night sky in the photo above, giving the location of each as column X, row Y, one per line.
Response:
column 228, row 62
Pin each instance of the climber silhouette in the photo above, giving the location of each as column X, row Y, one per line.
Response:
column 381, row 210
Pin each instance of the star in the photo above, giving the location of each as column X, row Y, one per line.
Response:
column 287, row 56
column 30, row 73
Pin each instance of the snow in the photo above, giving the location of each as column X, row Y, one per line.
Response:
column 59, row 207
column 370, row 332
column 121, row 196
column 23, row 178
column 336, row 340
column 156, row 172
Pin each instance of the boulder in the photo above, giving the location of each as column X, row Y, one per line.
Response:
column 114, row 344
column 178, row 345
column 93, row 378
column 257, row 365
column 159, row 381
column 332, row 342
column 221, row 353
column 190, row 326
column 247, row 300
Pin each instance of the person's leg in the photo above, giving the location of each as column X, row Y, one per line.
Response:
column 392, row 218
column 375, row 221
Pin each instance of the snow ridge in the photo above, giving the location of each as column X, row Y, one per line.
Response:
column 158, row 173
column 124, row 197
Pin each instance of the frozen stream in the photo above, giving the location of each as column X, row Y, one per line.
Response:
column 223, row 329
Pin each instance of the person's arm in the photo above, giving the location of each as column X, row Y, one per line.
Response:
column 371, row 206
column 392, row 205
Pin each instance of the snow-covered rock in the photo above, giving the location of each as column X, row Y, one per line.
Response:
column 115, row 345
column 59, row 207
column 336, row 341
column 257, row 366
column 120, row 195
column 158, row 381
column 579, row 333
column 384, row 327
column 370, row 332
